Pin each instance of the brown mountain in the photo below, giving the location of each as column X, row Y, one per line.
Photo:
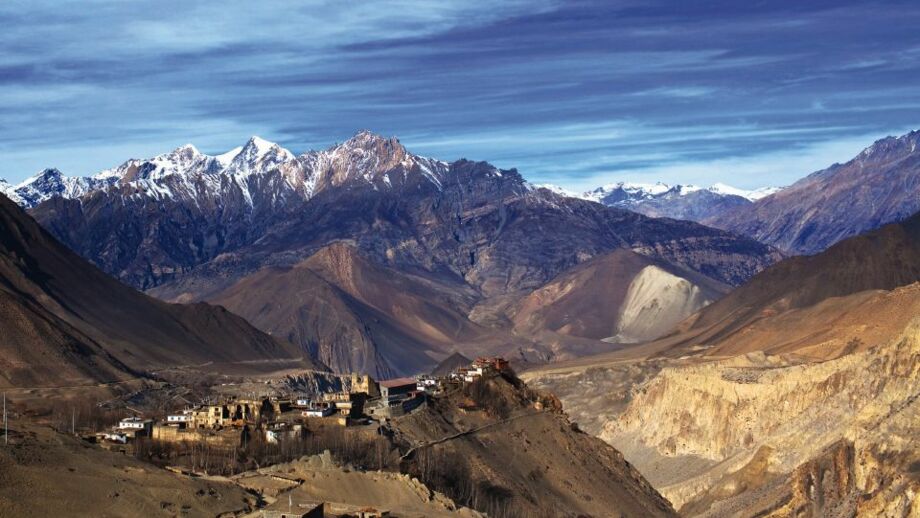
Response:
column 356, row 315
column 65, row 322
column 508, row 450
column 622, row 297
column 881, row 185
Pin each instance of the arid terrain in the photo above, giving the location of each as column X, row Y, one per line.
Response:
column 782, row 399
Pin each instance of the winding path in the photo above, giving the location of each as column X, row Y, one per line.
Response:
column 471, row 431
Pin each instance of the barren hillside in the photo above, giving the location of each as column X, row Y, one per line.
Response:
column 68, row 323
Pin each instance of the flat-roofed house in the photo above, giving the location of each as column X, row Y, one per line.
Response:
column 397, row 388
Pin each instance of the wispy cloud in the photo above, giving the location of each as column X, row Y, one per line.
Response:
column 568, row 92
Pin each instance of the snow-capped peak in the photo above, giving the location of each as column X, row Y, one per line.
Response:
column 621, row 191
column 649, row 188
column 48, row 183
column 257, row 156
column 48, row 174
column 259, row 145
column 188, row 150
column 753, row 195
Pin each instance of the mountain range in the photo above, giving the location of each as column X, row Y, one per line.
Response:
column 406, row 259
column 880, row 185
column 409, row 259
column 661, row 200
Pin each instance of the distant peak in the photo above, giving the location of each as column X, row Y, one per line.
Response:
column 260, row 144
column 49, row 172
column 259, row 141
column 367, row 134
column 185, row 150
column 257, row 147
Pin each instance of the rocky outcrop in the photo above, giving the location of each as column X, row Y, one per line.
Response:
column 514, row 452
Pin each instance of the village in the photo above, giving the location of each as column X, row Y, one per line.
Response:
column 235, row 420
column 364, row 407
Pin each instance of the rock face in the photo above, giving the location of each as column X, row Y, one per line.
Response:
column 657, row 300
column 881, row 185
column 463, row 242
column 65, row 322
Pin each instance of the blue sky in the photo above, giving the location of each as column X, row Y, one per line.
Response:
column 574, row 93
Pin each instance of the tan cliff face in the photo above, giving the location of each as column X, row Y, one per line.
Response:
column 724, row 411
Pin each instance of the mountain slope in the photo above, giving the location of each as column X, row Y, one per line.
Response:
column 58, row 306
column 517, row 454
column 881, row 185
column 355, row 315
column 880, row 260
column 621, row 296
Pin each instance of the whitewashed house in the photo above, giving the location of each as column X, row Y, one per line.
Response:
column 136, row 424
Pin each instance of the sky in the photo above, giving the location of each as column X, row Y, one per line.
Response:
column 577, row 94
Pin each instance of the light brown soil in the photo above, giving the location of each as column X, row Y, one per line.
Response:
column 44, row 473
